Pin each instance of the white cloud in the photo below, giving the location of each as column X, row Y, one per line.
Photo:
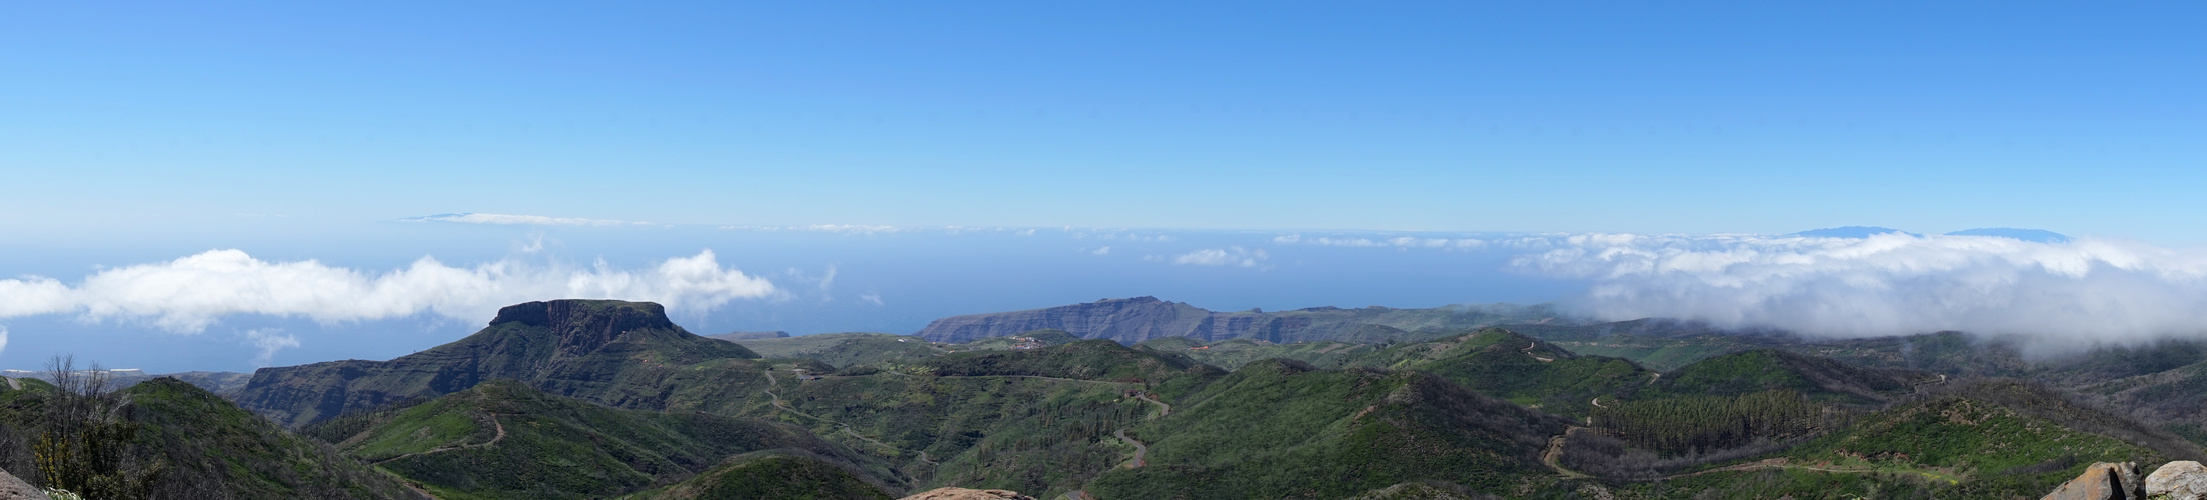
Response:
column 1399, row 242
column 1229, row 256
column 189, row 293
column 1102, row 251
column 269, row 341
column 3, row 339
column 2082, row 290
column 871, row 298
column 538, row 220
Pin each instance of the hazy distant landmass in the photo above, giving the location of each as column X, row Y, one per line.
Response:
column 750, row 335
column 1130, row 321
column 2030, row 235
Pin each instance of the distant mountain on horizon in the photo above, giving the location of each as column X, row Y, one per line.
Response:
column 2030, row 235
column 1133, row 320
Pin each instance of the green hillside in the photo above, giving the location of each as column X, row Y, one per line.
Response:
column 1281, row 429
column 1983, row 440
column 503, row 439
column 1036, row 421
column 846, row 349
column 214, row 446
column 772, row 475
column 624, row 354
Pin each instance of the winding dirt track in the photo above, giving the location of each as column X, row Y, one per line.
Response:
column 1529, row 352
column 1553, row 456
column 493, row 440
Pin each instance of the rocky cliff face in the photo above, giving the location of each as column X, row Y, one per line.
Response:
column 1137, row 319
column 624, row 354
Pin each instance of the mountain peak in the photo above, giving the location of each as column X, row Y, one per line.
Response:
column 585, row 325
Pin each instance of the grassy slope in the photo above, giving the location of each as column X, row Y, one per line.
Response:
column 1497, row 363
column 555, row 447
column 1038, row 421
column 1278, row 429
column 772, row 475
column 217, row 448
column 846, row 349
column 1767, row 369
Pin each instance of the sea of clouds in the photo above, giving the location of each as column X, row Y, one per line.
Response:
column 189, row 293
column 2083, row 290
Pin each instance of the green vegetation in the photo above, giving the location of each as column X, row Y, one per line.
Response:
column 1691, row 423
column 1019, row 432
column 1100, row 360
column 1822, row 379
column 1045, row 337
column 216, row 450
column 503, row 439
column 1232, row 354
column 1281, row 429
column 847, row 349
column 773, row 475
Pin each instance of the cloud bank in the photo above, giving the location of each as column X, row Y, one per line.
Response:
column 1889, row 284
column 1229, row 256
column 188, row 294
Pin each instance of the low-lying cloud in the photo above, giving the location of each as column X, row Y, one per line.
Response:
column 538, row 220
column 1397, row 242
column 188, row 294
column 1229, row 256
column 2080, row 290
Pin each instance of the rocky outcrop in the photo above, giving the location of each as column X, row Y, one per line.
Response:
column 2102, row 481
column 2180, row 480
column 13, row 488
column 1130, row 321
column 612, row 352
column 954, row 493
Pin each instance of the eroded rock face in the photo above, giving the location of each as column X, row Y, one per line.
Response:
column 2102, row 481
column 954, row 493
column 2181, row 480
column 13, row 488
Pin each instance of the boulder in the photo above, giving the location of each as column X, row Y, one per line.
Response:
column 954, row 493
column 13, row 488
column 2102, row 481
column 2181, row 480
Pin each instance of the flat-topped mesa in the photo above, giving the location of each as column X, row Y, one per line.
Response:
column 618, row 353
column 583, row 326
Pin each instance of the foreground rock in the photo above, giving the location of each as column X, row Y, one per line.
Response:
column 2181, row 480
column 954, row 493
column 2102, row 481
column 13, row 488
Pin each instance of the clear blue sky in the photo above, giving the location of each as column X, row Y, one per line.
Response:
column 187, row 117
column 1266, row 154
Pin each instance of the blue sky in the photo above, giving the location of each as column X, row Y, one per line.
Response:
column 147, row 132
